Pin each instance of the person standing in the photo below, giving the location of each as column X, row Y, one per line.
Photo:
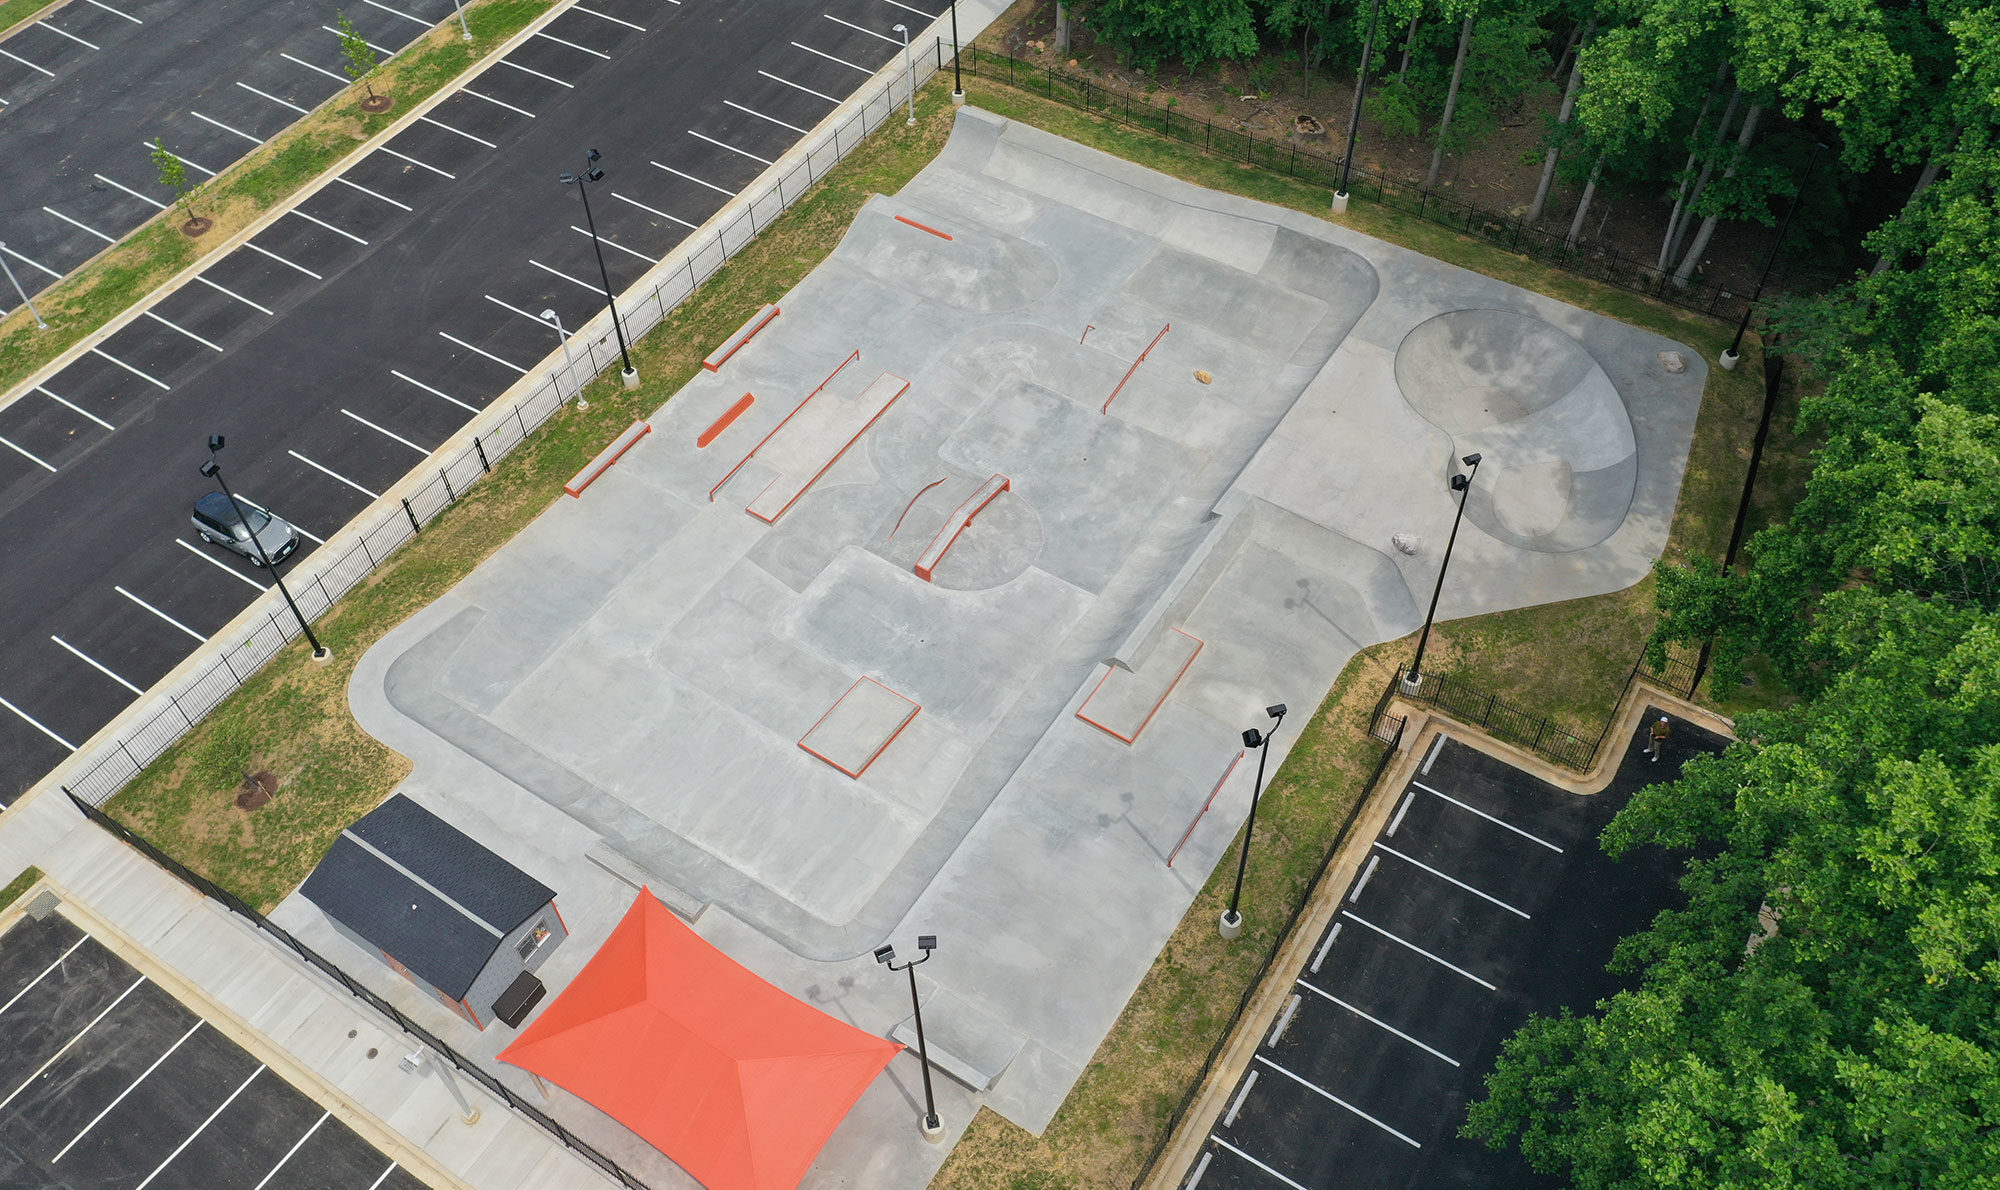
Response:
column 1661, row 730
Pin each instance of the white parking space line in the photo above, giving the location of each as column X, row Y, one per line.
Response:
column 608, row 17
column 829, row 57
column 232, row 293
column 413, row 161
column 1409, row 796
column 862, row 29
column 732, row 148
column 653, row 210
column 377, row 1183
column 221, row 565
column 929, row 16
column 538, row 74
column 397, row 12
column 148, row 146
column 517, row 310
column 106, row 7
column 73, row 223
column 330, row 227
column 586, row 49
column 1418, row 949
column 93, row 663
column 344, row 82
column 164, row 616
column 1380, row 1024
column 65, row 33
column 28, row 455
column 610, row 243
column 60, row 959
column 198, row 1131
column 43, row 1068
column 289, row 1153
column 273, row 98
column 697, row 181
column 1453, row 880
column 127, row 1091
column 565, row 276
column 31, row 721
column 1488, row 817
column 147, row 198
column 254, row 247
column 129, row 368
column 1259, row 1164
column 761, row 116
column 478, row 351
column 459, row 131
column 385, row 51
column 372, row 194
column 334, row 474
column 1331, row 1097
column 315, row 539
column 183, row 330
column 798, row 86
column 387, row 433
column 30, row 66
column 226, row 128
column 32, row 264
column 1332, row 936
column 74, row 407
column 435, row 392
column 496, row 102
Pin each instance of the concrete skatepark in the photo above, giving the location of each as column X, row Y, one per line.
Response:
column 1207, row 444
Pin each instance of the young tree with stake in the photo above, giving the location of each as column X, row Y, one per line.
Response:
column 361, row 61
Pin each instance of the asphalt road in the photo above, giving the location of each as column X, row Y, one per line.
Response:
column 85, row 89
column 354, row 336
column 111, row 1082
column 1485, row 899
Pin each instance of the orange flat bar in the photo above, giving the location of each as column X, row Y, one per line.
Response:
column 726, row 420
column 923, row 227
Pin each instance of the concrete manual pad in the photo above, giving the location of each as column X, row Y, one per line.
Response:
column 856, row 729
column 636, row 671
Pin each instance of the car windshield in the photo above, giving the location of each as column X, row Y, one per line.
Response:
column 257, row 517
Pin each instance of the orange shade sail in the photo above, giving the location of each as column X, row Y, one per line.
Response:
column 737, row 1081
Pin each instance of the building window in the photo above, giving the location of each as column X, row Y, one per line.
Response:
column 533, row 941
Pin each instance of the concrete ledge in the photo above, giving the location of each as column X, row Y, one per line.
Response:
column 609, row 455
column 744, row 334
column 684, row 904
column 964, row 1041
column 956, row 524
column 1124, row 701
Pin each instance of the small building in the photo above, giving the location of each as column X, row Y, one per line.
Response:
column 454, row 918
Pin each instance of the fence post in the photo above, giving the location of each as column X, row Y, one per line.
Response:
column 451, row 495
column 411, row 513
column 481, row 452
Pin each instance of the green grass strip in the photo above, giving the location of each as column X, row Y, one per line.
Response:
column 18, row 885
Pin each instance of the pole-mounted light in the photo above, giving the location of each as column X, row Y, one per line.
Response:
column 1232, row 920
column 1462, row 484
column 591, row 173
column 213, row 470
column 886, row 955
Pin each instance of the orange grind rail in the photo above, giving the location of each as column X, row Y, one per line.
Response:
column 923, row 227
column 852, row 356
column 1134, row 367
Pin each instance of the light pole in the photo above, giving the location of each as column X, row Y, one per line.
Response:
column 909, row 64
column 1462, row 484
column 416, row 1060
column 1730, row 357
column 957, row 83
column 213, row 470
column 467, row 29
column 1232, row 921
column 886, row 955
column 25, row 299
column 562, row 336
column 1354, row 119
column 582, row 182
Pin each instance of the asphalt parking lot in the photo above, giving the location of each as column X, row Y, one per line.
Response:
column 85, row 89
column 350, row 338
column 108, row 1081
column 1485, row 899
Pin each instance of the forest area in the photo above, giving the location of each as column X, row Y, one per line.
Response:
column 1825, row 1010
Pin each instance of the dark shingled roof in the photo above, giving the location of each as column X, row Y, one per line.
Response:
column 437, row 942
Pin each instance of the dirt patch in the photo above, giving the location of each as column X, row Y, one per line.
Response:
column 256, row 789
column 377, row 103
column 197, row 226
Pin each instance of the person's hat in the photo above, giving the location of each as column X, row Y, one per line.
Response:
column 1663, row 718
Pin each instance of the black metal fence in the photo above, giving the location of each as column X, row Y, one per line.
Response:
column 237, row 905
column 1538, row 733
column 1323, row 167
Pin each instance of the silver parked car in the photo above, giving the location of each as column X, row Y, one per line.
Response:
column 215, row 519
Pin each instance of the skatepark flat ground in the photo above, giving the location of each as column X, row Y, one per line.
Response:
column 1225, row 431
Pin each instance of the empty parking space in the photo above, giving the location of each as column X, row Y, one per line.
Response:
column 108, row 1081
column 1484, row 899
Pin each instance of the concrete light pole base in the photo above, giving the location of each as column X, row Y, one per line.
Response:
column 1230, row 925
column 631, row 377
column 1728, row 360
column 933, row 1133
column 323, row 657
column 958, row 99
column 1339, row 201
column 1411, row 684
